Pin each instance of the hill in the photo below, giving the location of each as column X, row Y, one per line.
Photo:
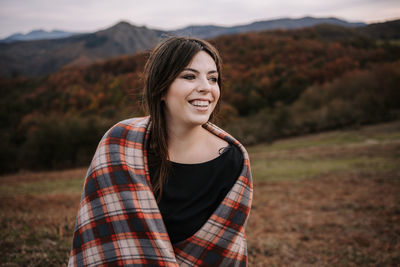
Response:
column 37, row 35
column 383, row 31
column 42, row 57
column 209, row 31
column 277, row 83
column 308, row 192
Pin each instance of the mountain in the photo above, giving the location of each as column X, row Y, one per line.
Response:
column 41, row 57
column 389, row 30
column 37, row 35
column 209, row 31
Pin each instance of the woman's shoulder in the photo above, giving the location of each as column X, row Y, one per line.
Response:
column 222, row 134
column 124, row 137
column 124, row 128
column 135, row 124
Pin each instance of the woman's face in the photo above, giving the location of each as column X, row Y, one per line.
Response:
column 192, row 96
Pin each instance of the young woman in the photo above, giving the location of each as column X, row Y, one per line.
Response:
column 170, row 189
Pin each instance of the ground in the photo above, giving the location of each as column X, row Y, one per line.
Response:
column 330, row 199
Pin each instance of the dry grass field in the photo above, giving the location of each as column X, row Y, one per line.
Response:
column 331, row 199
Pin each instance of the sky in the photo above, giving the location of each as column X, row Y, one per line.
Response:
column 23, row 16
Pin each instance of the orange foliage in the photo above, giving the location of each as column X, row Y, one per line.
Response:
column 264, row 74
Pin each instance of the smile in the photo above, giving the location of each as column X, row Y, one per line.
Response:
column 200, row 103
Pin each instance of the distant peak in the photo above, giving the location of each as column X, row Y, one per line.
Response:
column 38, row 31
column 123, row 23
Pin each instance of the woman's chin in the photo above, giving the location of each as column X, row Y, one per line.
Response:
column 199, row 119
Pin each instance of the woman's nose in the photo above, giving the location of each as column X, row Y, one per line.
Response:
column 204, row 85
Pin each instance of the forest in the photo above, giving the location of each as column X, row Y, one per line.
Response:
column 275, row 84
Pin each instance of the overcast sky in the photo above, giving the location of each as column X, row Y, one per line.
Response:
column 92, row 15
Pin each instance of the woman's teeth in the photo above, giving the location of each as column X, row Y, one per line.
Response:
column 199, row 103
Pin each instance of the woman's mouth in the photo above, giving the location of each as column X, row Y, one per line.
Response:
column 200, row 104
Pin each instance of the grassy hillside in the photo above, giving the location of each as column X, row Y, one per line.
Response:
column 324, row 199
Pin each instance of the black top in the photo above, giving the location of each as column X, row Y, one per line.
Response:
column 194, row 191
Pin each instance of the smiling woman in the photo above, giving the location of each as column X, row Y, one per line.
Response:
column 189, row 102
column 170, row 189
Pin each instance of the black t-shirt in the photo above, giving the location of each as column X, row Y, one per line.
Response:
column 193, row 192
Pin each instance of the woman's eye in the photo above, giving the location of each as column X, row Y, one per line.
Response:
column 188, row 77
column 213, row 79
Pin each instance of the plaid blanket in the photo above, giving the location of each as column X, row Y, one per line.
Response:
column 119, row 223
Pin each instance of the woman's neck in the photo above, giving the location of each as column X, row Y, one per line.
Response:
column 182, row 140
column 192, row 144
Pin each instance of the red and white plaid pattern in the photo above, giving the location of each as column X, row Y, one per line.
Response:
column 119, row 223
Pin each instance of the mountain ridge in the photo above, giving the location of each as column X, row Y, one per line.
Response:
column 42, row 57
column 289, row 23
column 38, row 34
column 203, row 31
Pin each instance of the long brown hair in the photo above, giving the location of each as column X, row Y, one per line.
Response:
column 165, row 63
